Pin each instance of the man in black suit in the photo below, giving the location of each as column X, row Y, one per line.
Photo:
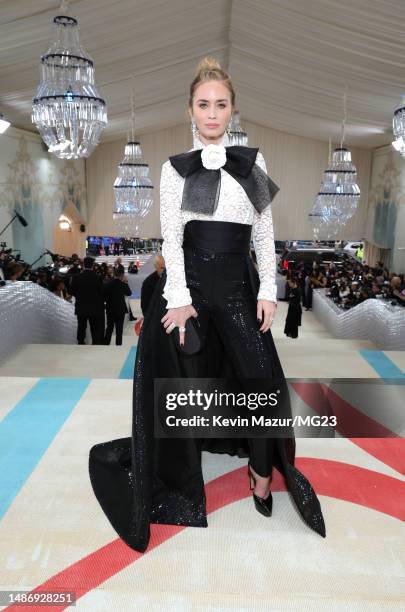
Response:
column 149, row 284
column 87, row 287
column 114, row 295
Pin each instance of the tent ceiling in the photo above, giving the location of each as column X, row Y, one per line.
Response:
column 289, row 60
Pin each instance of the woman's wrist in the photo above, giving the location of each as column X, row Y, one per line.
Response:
column 273, row 301
column 178, row 301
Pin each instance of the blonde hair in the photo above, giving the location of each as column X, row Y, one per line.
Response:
column 209, row 69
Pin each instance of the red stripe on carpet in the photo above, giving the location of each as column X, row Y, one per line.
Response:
column 385, row 445
column 332, row 478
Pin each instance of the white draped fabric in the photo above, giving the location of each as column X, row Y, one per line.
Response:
column 289, row 60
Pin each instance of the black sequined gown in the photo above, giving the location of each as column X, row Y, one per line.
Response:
column 142, row 479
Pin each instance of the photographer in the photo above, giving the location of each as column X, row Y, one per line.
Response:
column 358, row 282
column 15, row 271
column 114, row 295
column 132, row 268
column 58, row 287
column 87, row 288
column 7, row 264
column 397, row 290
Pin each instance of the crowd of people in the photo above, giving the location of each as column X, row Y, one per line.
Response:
column 122, row 246
column 58, row 276
column 99, row 292
column 348, row 284
column 108, row 245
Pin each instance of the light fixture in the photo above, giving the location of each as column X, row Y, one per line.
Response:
column 4, row 124
column 338, row 196
column 133, row 188
column 67, row 110
column 399, row 145
column 398, row 127
column 237, row 136
column 64, row 224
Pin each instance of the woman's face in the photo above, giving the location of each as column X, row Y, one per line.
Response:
column 212, row 110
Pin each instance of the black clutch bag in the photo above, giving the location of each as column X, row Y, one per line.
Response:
column 192, row 337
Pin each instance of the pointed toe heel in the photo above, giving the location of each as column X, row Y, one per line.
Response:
column 264, row 506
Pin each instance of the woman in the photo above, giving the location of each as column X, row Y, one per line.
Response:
column 293, row 319
column 212, row 201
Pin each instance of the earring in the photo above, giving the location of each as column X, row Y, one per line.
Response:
column 194, row 128
column 228, row 127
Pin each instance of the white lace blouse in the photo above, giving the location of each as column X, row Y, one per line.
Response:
column 233, row 205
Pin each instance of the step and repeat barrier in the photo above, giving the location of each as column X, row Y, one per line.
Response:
column 31, row 314
column 374, row 319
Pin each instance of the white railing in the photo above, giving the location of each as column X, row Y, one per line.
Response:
column 374, row 319
column 30, row 314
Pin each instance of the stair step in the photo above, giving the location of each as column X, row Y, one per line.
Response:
column 327, row 358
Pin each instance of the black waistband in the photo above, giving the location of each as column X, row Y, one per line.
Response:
column 217, row 236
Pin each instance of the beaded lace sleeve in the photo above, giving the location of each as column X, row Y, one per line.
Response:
column 263, row 242
column 175, row 292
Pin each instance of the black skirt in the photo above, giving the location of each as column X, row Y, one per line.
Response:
column 143, row 479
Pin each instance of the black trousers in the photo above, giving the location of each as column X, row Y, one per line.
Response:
column 222, row 296
column 117, row 321
column 96, row 328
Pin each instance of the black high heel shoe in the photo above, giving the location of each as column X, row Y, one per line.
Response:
column 264, row 506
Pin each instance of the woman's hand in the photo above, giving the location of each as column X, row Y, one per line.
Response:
column 266, row 311
column 178, row 316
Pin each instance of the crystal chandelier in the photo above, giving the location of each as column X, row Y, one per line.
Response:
column 127, row 226
column 133, row 189
column 67, row 109
column 320, row 228
column 237, row 136
column 398, row 127
column 338, row 196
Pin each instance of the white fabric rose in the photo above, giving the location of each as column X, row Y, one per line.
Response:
column 213, row 156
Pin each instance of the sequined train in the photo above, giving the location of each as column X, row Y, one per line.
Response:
column 142, row 479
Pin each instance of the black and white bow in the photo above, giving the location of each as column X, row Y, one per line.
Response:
column 202, row 186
